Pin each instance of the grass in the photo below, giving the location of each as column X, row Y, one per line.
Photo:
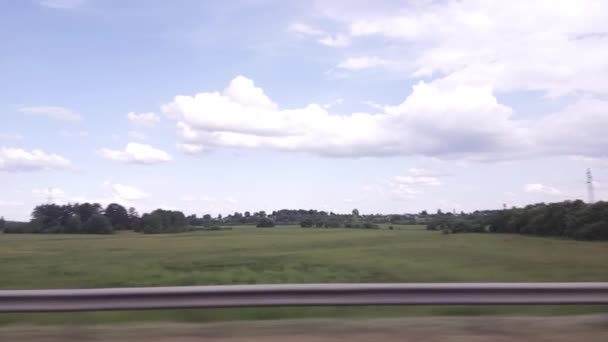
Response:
column 279, row 255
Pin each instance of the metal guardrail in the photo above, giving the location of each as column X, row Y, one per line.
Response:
column 302, row 295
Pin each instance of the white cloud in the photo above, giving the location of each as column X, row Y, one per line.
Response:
column 558, row 47
column 136, row 153
column 191, row 148
column 16, row 159
column 339, row 40
column 52, row 112
column 143, row 119
column 62, row 4
column 541, row 189
column 323, row 38
column 360, row 63
column 436, row 119
column 305, row 29
column 128, row 193
column 333, row 103
column 439, row 118
column 135, row 135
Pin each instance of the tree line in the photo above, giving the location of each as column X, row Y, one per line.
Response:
column 92, row 218
column 569, row 219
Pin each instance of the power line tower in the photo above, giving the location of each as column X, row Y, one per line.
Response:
column 590, row 194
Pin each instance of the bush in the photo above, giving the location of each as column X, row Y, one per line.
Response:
column 265, row 223
column 98, row 224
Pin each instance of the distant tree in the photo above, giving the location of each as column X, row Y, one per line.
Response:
column 134, row 219
column 247, row 214
column 307, row 223
column 118, row 216
column 423, row 213
column 98, row 224
column 73, row 225
column 439, row 212
column 164, row 221
column 219, row 217
column 355, row 212
column 86, row 210
column 262, row 214
column 2, row 223
column 265, row 223
column 207, row 217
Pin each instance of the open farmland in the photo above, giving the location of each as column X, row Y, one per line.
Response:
column 291, row 255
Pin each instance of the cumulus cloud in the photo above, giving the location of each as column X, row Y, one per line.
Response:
column 143, row 119
column 434, row 119
column 52, row 112
column 537, row 188
column 438, row 118
column 360, row 63
column 558, row 47
column 128, row 193
column 136, row 153
column 17, row 159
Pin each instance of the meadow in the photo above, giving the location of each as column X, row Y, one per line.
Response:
column 246, row 255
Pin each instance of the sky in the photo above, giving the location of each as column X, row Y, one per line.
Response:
column 384, row 106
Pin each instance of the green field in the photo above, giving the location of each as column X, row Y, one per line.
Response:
column 284, row 255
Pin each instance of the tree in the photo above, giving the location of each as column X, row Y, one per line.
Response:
column 247, row 214
column 73, row 225
column 2, row 223
column 307, row 223
column 265, row 223
column 164, row 221
column 98, row 224
column 355, row 212
column 86, row 210
column 118, row 216
column 134, row 219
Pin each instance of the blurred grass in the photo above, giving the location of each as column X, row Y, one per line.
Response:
column 280, row 255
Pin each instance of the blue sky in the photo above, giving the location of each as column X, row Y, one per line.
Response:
column 386, row 106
